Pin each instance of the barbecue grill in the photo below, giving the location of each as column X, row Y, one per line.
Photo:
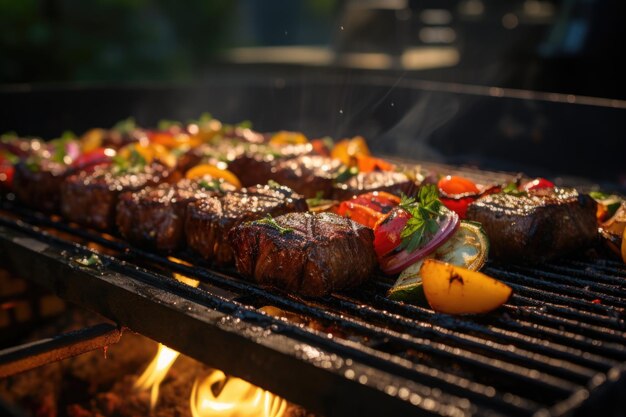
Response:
column 557, row 348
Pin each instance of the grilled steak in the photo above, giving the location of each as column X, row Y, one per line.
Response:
column 209, row 220
column 90, row 197
column 314, row 255
column 155, row 216
column 392, row 182
column 251, row 163
column 536, row 226
column 307, row 174
column 38, row 184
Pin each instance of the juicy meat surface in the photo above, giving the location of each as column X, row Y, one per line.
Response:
column 318, row 254
column 209, row 220
column 39, row 185
column 392, row 182
column 252, row 163
column 155, row 216
column 90, row 197
column 538, row 226
column 307, row 174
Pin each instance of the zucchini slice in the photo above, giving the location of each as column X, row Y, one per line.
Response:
column 467, row 248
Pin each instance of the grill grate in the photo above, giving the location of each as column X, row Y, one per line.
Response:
column 539, row 355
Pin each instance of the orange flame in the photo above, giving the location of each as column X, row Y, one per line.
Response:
column 157, row 370
column 155, row 373
column 219, row 395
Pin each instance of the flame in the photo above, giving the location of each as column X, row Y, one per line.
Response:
column 155, row 373
column 219, row 395
column 164, row 359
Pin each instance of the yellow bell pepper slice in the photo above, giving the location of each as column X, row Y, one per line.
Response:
column 212, row 171
column 347, row 150
column 288, row 138
column 454, row 290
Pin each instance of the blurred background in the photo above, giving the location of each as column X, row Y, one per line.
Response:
column 568, row 46
column 498, row 84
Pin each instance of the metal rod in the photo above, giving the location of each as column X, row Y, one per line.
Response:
column 42, row 352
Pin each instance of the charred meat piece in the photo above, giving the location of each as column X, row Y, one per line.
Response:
column 307, row 174
column 251, row 163
column 38, row 184
column 256, row 165
column 155, row 216
column 392, row 182
column 306, row 253
column 209, row 220
column 536, row 226
column 90, row 197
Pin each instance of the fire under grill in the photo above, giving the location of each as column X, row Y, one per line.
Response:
column 556, row 348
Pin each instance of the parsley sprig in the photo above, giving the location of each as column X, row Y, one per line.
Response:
column 424, row 211
column 511, row 189
column 270, row 221
column 212, row 185
column 134, row 164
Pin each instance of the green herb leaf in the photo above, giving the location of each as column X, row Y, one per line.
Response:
column 424, row 211
column 165, row 124
column 328, row 142
column 317, row 200
column 8, row 137
column 92, row 260
column 246, row 124
column 269, row 221
column 125, row 126
column 13, row 159
column 273, row 184
column 213, row 185
column 511, row 189
column 346, row 174
column 134, row 164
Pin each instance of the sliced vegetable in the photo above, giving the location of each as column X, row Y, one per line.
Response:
column 92, row 140
column 378, row 200
column 537, row 184
column 323, row 146
column 398, row 261
column 346, row 150
column 387, row 232
column 6, row 176
column 149, row 152
column 367, row 163
column 288, row 138
column 94, row 157
column 369, row 208
column 203, row 170
column 467, row 248
column 607, row 204
column 454, row 290
column 360, row 213
column 173, row 140
column 453, row 185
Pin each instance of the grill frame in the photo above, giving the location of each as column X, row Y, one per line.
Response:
column 307, row 367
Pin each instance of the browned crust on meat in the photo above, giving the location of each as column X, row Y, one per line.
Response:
column 536, row 227
column 392, row 182
column 322, row 253
column 208, row 221
column 90, row 197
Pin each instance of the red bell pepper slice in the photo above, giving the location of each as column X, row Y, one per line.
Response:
column 95, row 157
column 359, row 213
column 387, row 231
column 537, row 184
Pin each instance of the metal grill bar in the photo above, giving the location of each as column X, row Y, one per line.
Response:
column 542, row 350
